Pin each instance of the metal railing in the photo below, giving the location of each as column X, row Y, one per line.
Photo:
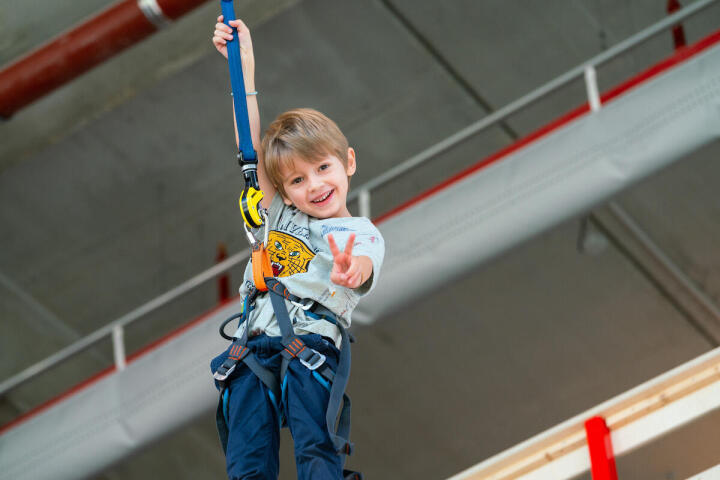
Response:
column 587, row 69
column 116, row 328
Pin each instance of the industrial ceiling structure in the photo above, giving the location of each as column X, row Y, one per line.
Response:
column 121, row 184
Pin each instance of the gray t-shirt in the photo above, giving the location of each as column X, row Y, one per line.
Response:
column 301, row 259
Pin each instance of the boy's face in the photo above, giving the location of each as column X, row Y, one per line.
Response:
column 319, row 189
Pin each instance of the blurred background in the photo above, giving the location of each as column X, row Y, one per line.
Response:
column 122, row 183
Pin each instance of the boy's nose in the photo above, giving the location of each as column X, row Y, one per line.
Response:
column 315, row 183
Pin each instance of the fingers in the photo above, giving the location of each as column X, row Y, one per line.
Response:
column 346, row 280
column 221, row 36
column 337, row 278
column 234, row 23
column 219, row 41
column 240, row 25
column 225, row 32
column 349, row 244
column 347, row 273
column 333, row 246
column 354, row 280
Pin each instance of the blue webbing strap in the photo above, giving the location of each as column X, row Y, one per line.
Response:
column 240, row 352
column 245, row 145
column 221, row 419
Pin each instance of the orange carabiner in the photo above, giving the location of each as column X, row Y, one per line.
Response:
column 260, row 266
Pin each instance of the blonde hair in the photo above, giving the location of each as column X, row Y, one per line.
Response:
column 300, row 134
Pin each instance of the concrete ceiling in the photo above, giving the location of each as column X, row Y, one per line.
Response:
column 120, row 185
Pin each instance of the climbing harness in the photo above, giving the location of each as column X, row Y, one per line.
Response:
column 254, row 216
column 339, row 405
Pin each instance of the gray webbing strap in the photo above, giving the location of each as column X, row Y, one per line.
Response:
column 341, row 435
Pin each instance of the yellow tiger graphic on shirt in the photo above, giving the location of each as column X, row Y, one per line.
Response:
column 288, row 255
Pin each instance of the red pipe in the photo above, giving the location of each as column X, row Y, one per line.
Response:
column 174, row 9
column 602, row 459
column 77, row 51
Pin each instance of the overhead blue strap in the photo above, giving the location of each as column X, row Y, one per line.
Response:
column 245, row 145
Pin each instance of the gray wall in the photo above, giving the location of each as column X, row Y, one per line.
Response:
column 113, row 203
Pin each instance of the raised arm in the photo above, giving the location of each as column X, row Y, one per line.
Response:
column 221, row 36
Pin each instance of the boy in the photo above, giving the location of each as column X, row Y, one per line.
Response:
column 304, row 166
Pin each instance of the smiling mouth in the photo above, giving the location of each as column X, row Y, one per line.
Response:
column 323, row 198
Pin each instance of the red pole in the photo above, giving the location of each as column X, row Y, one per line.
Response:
column 678, row 31
column 224, row 279
column 85, row 46
column 602, row 459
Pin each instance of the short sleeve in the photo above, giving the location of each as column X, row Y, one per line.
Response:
column 368, row 242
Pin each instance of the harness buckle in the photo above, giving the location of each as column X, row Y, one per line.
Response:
column 300, row 305
column 220, row 377
column 317, row 360
column 236, row 354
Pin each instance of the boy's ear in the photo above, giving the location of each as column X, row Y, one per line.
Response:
column 351, row 165
column 286, row 200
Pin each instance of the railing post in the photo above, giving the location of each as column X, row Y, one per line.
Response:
column 678, row 31
column 602, row 458
column 118, row 340
column 592, row 88
column 364, row 201
column 223, row 281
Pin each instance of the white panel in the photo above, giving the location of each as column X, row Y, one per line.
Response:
column 107, row 421
column 547, row 182
column 666, row 419
column 567, row 466
column 711, row 474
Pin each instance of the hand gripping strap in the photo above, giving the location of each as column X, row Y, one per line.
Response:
column 237, row 81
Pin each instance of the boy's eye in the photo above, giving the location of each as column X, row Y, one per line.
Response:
column 324, row 166
column 296, row 180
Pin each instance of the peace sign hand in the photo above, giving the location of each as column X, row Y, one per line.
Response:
column 347, row 270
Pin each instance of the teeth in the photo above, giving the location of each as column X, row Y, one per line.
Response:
column 323, row 197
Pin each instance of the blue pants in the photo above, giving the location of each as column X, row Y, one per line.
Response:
column 253, row 419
